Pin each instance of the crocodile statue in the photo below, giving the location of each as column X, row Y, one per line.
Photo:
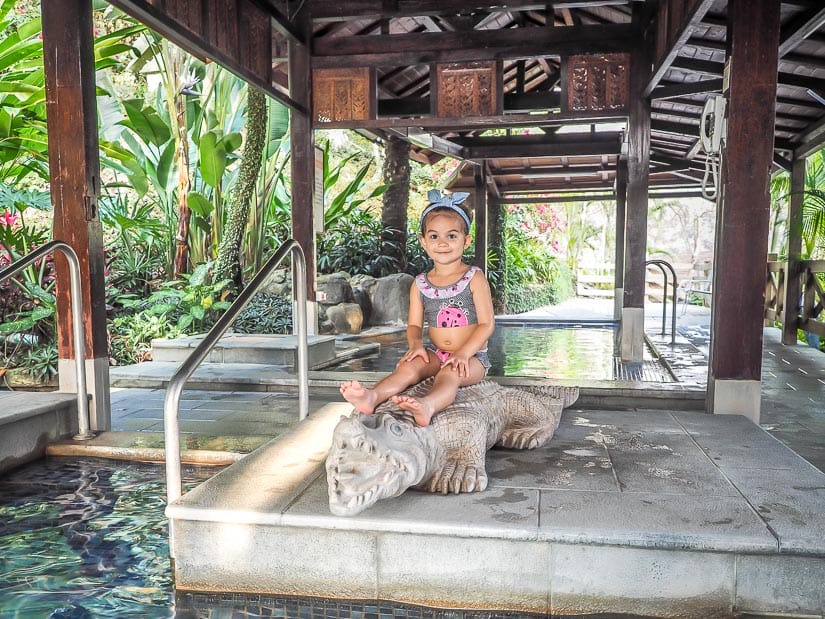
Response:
column 379, row 456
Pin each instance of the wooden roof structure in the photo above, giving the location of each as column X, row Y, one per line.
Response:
column 543, row 101
column 545, row 143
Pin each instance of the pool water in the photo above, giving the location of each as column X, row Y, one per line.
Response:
column 575, row 351
column 86, row 538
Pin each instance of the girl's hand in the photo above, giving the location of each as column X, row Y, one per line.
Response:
column 413, row 353
column 459, row 362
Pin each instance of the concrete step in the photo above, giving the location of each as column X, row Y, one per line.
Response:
column 30, row 420
column 244, row 348
column 668, row 515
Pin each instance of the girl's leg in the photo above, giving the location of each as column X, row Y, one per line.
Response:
column 445, row 386
column 405, row 374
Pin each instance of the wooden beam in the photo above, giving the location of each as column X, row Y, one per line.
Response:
column 473, row 123
column 691, row 20
column 74, row 173
column 671, row 91
column 198, row 46
column 791, row 303
column 302, row 162
column 429, row 47
column 326, row 11
column 744, row 202
column 800, row 29
column 812, row 140
column 708, row 67
column 280, row 22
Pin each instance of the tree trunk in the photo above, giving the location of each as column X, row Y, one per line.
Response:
column 181, row 264
column 228, row 263
column 394, row 211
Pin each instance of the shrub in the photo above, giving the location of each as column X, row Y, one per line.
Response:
column 130, row 336
column 265, row 313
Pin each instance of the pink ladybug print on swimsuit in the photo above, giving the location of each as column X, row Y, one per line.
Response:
column 451, row 317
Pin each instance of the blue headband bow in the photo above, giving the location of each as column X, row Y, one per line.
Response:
column 449, row 202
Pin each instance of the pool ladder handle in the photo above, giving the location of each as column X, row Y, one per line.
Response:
column 78, row 339
column 662, row 264
column 171, row 405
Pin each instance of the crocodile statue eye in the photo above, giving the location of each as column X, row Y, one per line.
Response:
column 396, row 428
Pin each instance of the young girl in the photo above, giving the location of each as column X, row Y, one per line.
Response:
column 455, row 301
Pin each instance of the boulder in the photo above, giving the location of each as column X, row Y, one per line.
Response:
column 346, row 317
column 333, row 289
column 390, row 298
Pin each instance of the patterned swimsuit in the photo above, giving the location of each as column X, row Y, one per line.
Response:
column 450, row 306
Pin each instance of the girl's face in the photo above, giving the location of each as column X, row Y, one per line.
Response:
column 444, row 238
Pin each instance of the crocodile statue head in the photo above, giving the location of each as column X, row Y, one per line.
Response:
column 376, row 457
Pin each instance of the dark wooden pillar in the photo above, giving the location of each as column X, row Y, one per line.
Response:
column 791, row 302
column 638, row 173
column 480, row 177
column 744, row 210
column 621, row 208
column 303, row 156
column 74, row 170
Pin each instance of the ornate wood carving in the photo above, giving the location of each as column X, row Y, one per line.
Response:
column 597, row 82
column 467, row 89
column 343, row 94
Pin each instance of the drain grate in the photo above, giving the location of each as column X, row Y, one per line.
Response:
column 648, row 371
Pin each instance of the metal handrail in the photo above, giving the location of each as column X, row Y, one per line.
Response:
column 662, row 264
column 171, row 403
column 78, row 340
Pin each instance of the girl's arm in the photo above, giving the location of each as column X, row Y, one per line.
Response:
column 415, row 327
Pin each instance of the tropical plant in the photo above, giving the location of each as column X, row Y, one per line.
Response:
column 813, row 209
column 40, row 363
column 193, row 303
column 131, row 335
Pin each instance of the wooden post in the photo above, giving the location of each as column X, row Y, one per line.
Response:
column 480, row 177
column 303, row 157
column 621, row 208
column 791, row 302
column 744, row 210
column 638, row 174
column 74, row 171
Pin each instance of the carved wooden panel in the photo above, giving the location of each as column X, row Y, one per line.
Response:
column 467, row 89
column 597, row 82
column 342, row 94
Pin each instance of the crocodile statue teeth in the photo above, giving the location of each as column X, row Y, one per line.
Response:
column 379, row 456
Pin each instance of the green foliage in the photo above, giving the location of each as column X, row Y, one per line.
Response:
column 353, row 245
column 134, row 241
column 40, row 362
column 193, row 304
column 131, row 336
column 265, row 313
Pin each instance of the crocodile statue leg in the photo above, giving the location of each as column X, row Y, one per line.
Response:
column 465, row 468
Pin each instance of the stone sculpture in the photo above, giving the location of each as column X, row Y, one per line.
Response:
column 379, row 456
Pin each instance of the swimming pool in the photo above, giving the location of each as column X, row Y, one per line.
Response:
column 87, row 539
column 559, row 350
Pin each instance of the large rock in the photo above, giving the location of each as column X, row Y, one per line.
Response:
column 333, row 289
column 346, row 317
column 390, row 298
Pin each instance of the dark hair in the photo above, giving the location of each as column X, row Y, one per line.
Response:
column 455, row 209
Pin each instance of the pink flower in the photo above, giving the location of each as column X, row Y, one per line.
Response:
column 9, row 220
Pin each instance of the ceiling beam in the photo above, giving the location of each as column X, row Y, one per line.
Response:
column 709, row 67
column 280, row 22
column 603, row 143
column 427, row 47
column 687, row 88
column 800, row 29
column 324, row 10
column 690, row 21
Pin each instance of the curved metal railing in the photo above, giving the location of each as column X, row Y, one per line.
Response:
column 78, row 340
column 171, row 403
column 662, row 264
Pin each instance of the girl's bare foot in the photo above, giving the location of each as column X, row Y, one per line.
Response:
column 364, row 400
column 421, row 411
